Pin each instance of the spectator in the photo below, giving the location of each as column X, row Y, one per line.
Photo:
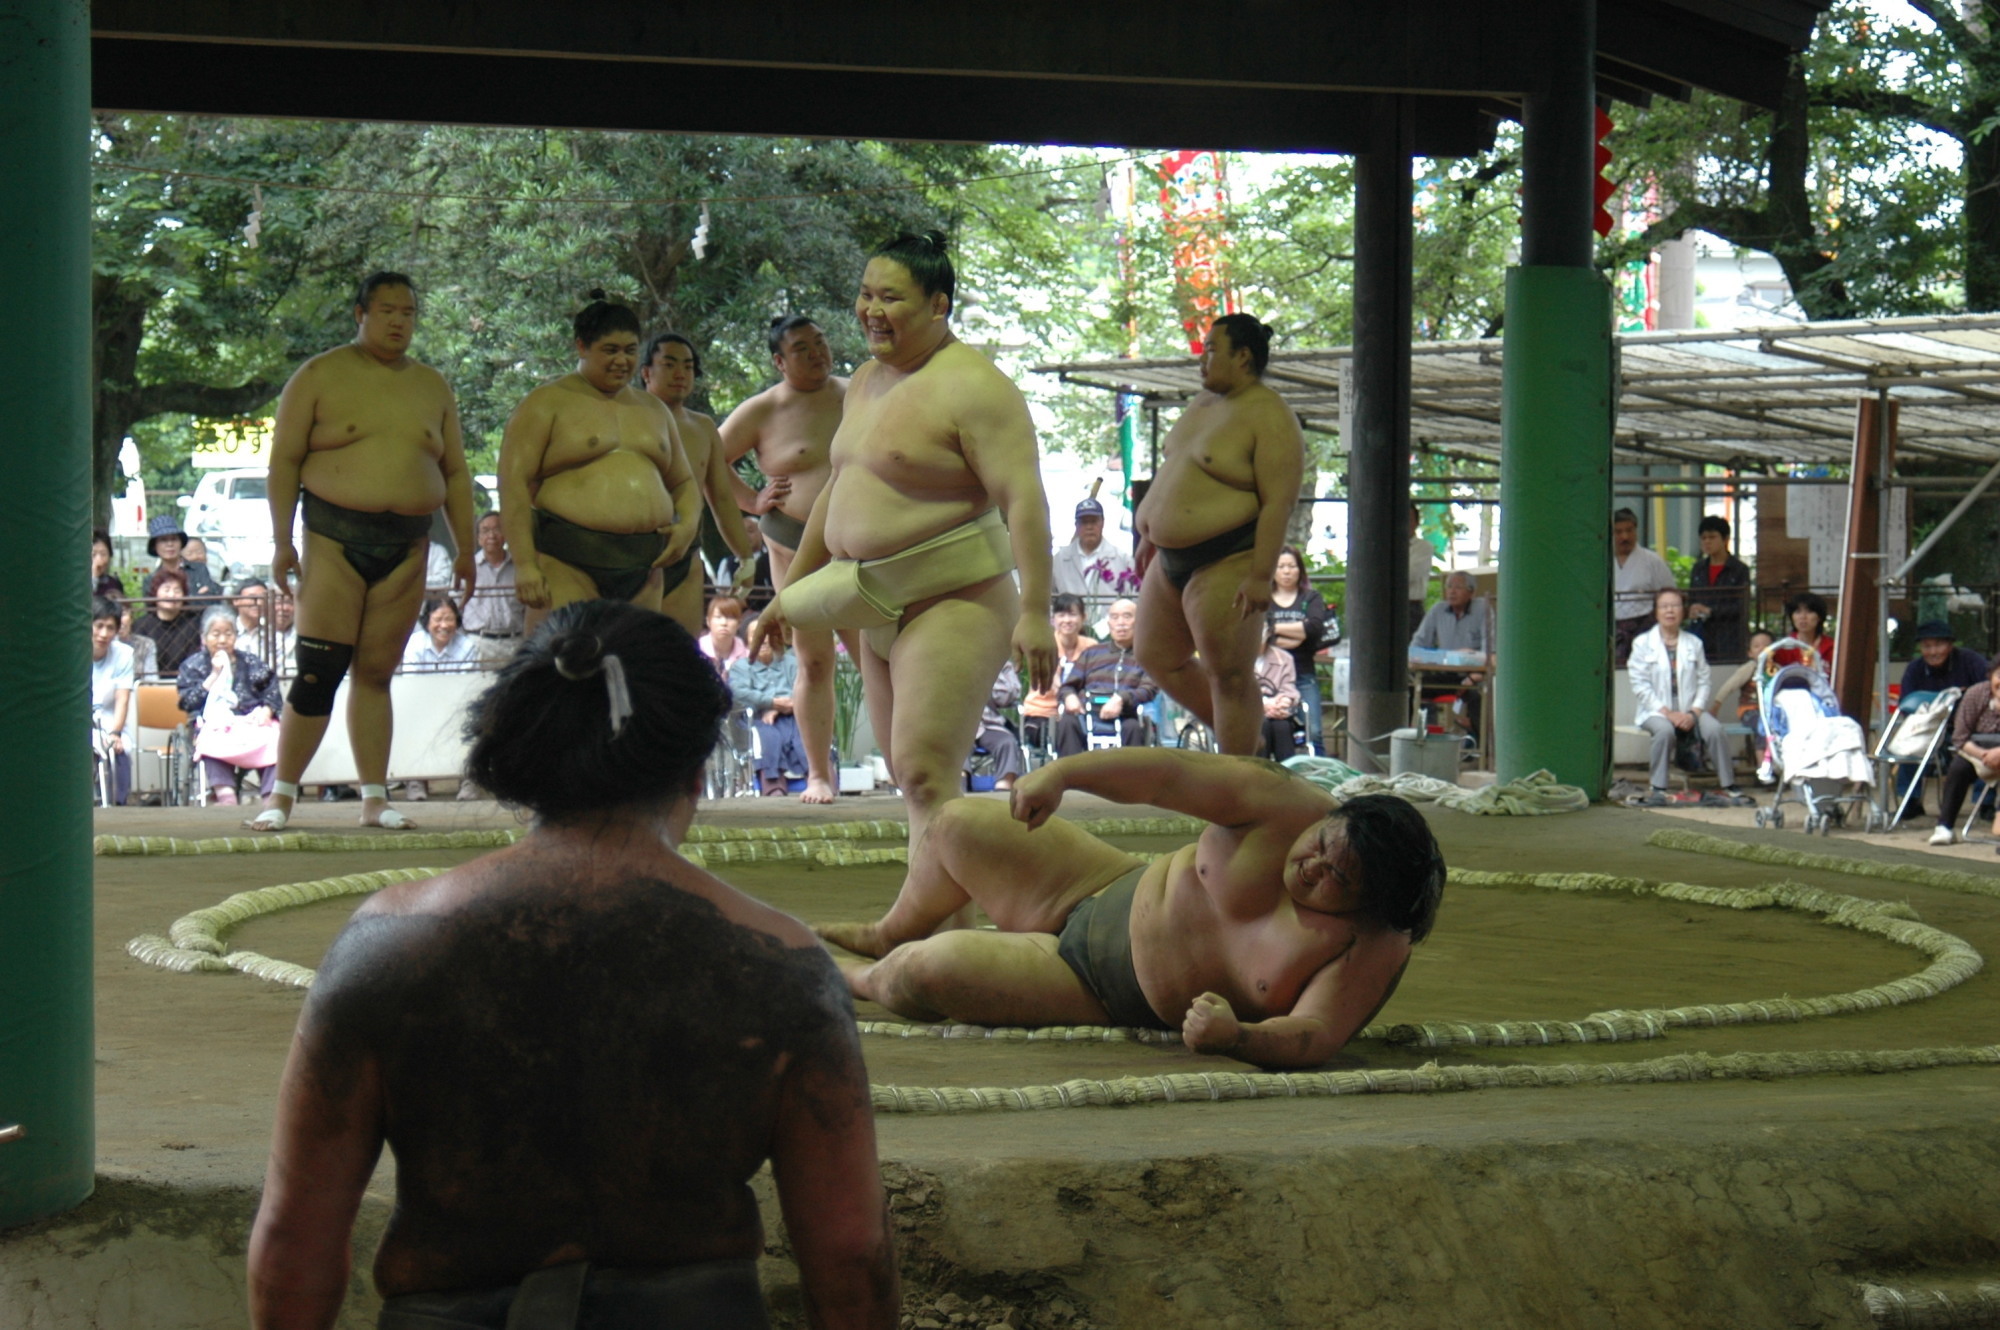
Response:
column 1805, row 613
column 579, row 1050
column 441, row 644
column 995, row 735
column 176, row 632
column 1279, row 685
column 1087, row 566
column 1422, row 554
column 111, row 684
column 720, row 643
column 1107, row 688
column 1637, row 573
column 1302, row 623
column 103, row 582
column 145, row 652
column 284, row 610
column 1738, row 693
column 1975, row 746
column 1462, row 621
column 1941, row 663
column 493, row 615
column 1038, row 709
column 1718, row 593
column 765, row 684
column 252, row 596
column 1670, row 684
column 233, row 699
column 201, row 580
column 438, row 645
column 166, row 542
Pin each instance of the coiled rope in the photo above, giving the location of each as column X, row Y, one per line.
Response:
column 197, row 942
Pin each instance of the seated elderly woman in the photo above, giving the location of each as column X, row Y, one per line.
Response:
column 581, row 1048
column 234, row 700
column 1670, row 686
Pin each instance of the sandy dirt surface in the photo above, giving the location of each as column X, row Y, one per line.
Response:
column 1013, row 1206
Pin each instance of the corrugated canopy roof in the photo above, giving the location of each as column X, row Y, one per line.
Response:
column 1749, row 398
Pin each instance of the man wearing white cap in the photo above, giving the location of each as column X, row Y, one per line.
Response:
column 1087, row 566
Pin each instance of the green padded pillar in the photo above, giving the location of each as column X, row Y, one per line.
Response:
column 45, row 908
column 1554, row 638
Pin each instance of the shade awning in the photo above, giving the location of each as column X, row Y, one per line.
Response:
column 1747, row 398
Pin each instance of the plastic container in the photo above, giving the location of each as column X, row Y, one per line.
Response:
column 1413, row 752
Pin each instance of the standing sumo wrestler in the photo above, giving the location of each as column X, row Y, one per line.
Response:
column 789, row 428
column 1210, row 529
column 667, row 369
column 371, row 438
column 595, row 490
column 935, row 500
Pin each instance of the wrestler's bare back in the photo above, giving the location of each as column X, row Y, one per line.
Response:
column 580, row 1184
column 1207, row 481
column 791, row 434
column 606, row 460
column 900, row 472
column 376, row 434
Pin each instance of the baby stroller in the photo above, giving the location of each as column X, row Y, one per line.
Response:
column 1819, row 757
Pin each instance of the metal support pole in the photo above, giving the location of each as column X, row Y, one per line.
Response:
column 1553, row 676
column 1378, row 456
column 1885, row 781
column 48, row 1163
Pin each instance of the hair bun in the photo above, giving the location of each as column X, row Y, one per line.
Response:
column 577, row 656
column 597, row 293
column 936, row 240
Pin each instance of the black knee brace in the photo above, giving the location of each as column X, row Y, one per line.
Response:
column 322, row 665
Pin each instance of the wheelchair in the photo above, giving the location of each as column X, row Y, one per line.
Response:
column 731, row 772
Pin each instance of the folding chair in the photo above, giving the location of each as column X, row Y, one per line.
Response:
column 160, row 710
column 1918, row 734
column 1979, row 799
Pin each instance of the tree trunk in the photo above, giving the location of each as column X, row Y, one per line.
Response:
column 1982, row 220
column 120, row 324
column 1793, row 238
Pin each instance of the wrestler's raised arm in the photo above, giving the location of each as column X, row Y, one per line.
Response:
column 290, row 436
column 1336, row 1005
column 682, row 487
column 522, row 448
column 458, row 497
column 997, row 437
column 1231, row 792
column 1278, row 461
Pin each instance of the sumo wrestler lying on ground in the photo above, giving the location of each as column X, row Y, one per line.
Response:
column 1273, row 938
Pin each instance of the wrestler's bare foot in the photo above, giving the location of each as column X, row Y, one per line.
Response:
column 817, row 791
column 856, row 975
column 277, row 812
column 861, row 939
column 376, row 812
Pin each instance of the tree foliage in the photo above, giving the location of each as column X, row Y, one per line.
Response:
column 1871, row 184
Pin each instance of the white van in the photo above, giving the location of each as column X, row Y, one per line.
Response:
column 231, row 511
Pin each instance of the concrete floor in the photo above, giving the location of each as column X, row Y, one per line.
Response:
column 1712, row 1203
